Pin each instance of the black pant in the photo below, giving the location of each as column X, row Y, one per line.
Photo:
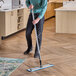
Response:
column 30, row 27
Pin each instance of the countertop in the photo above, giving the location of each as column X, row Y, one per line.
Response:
column 7, row 10
column 66, row 9
column 55, row 1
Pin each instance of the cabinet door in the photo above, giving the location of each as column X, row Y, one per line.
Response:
column 2, row 23
column 7, row 23
column 13, row 26
column 10, row 22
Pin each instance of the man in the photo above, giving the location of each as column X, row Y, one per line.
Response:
column 39, row 7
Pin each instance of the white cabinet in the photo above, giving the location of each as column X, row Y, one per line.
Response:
column 66, row 21
column 13, row 21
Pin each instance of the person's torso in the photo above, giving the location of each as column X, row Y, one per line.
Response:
column 36, row 3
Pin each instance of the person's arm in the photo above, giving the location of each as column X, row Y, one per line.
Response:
column 28, row 3
column 43, row 7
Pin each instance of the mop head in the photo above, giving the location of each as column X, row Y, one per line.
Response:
column 39, row 68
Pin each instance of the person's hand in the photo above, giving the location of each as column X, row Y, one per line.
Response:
column 31, row 6
column 36, row 21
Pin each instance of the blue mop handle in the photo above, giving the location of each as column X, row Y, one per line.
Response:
column 37, row 39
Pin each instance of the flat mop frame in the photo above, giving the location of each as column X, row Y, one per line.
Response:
column 44, row 66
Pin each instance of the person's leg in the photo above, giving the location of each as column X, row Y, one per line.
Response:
column 29, row 29
column 39, row 28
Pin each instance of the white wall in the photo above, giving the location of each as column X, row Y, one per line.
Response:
column 69, row 4
column 8, row 3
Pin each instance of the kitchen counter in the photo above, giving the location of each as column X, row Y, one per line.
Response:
column 66, row 9
column 13, row 20
column 55, row 1
column 66, row 20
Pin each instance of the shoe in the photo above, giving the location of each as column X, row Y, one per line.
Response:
column 36, row 55
column 27, row 51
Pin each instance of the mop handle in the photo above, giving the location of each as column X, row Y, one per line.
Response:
column 37, row 39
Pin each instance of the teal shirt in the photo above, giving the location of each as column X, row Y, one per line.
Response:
column 40, row 6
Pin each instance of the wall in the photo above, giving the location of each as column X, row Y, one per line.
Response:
column 16, row 3
column 69, row 4
column 8, row 3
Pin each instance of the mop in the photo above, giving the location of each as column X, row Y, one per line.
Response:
column 41, row 66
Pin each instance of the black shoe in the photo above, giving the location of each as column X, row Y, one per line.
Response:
column 27, row 51
column 36, row 55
